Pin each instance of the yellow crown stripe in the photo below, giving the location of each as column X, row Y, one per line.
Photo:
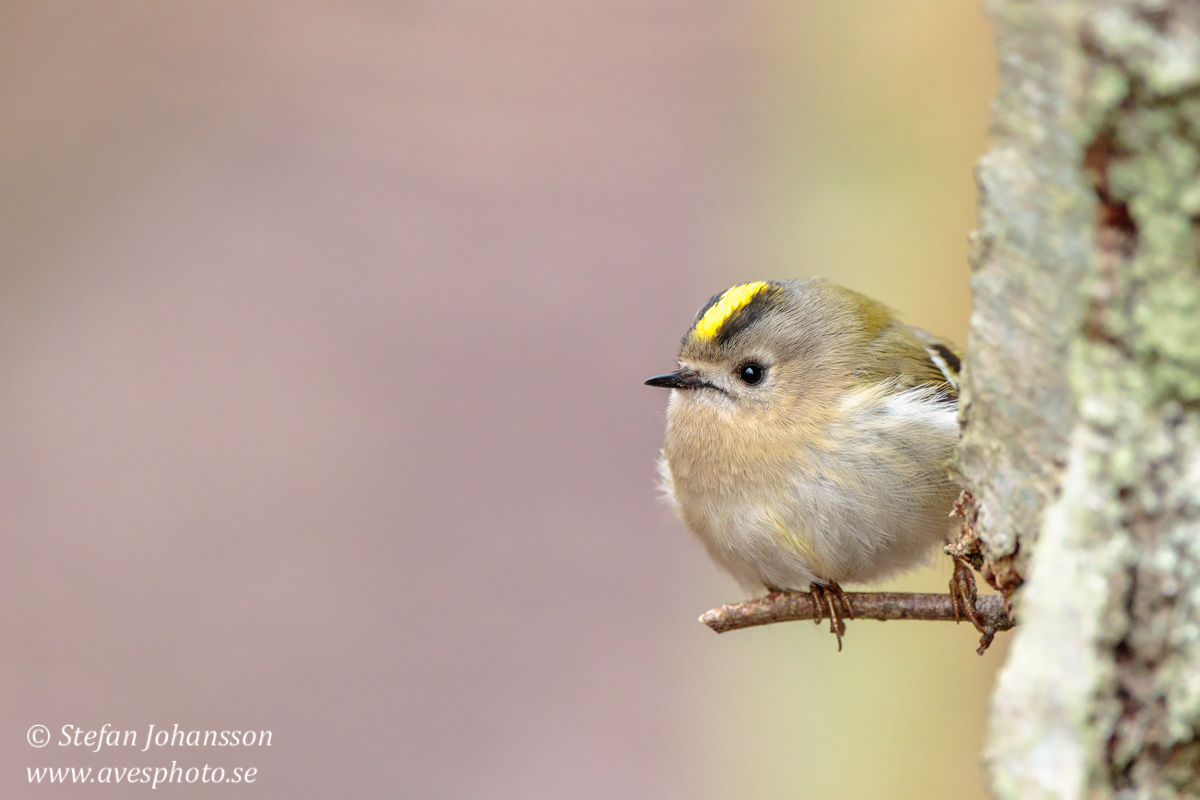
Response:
column 731, row 302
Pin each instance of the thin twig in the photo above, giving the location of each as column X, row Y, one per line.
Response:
column 789, row 606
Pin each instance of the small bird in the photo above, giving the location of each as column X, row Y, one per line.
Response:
column 808, row 438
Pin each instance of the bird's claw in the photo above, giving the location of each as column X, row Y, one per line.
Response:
column 963, row 596
column 831, row 598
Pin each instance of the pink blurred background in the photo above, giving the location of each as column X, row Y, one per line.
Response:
column 322, row 336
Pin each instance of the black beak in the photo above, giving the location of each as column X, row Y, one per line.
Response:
column 681, row 379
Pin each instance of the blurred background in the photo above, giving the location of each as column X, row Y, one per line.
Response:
column 323, row 328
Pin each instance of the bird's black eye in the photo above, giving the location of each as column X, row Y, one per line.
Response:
column 751, row 373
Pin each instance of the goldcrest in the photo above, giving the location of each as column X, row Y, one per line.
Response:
column 808, row 436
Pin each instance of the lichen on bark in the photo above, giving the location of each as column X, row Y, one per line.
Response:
column 1088, row 261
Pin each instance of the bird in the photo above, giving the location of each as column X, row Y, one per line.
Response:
column 808, row 437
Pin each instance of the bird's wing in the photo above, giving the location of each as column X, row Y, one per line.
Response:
column 900, row 354
column 948, row 362
column 911, row 357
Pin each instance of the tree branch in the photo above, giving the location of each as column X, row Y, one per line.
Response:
column 790, row 606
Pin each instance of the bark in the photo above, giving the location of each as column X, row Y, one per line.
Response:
column 1081, row 443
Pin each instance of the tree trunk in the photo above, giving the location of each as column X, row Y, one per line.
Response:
column 1081, row 442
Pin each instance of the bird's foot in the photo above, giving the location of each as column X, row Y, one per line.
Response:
column 831, row 598
column 963, row 596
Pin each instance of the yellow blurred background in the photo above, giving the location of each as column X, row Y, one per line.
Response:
column 323, row 332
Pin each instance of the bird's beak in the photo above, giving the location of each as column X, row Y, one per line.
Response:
column 680, row 379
